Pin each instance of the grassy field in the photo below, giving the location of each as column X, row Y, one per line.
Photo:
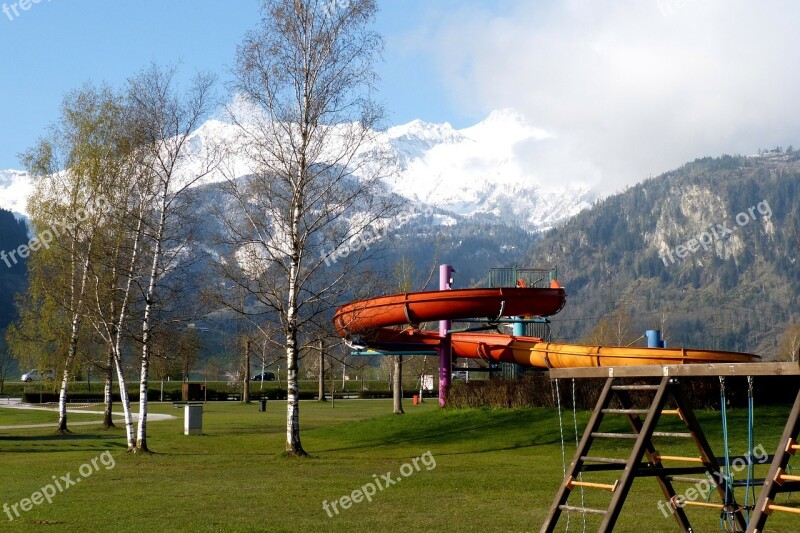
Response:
column 13, row 417
column 478, row 470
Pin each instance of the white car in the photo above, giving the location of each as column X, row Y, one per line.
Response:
column 35, row 375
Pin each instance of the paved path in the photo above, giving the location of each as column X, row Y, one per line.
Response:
column 15, row 403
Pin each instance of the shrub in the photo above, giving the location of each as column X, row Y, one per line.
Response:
column 536, row 389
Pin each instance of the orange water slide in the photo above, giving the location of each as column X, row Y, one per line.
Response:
column 374, row 322
column 414, row 308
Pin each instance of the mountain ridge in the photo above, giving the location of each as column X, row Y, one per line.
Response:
column 479, row 171
column 638, row 254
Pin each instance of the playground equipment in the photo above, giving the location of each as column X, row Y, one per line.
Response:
column 645, row 460
column 389, row 325
column 373, row 323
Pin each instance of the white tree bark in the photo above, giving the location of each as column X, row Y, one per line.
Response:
column 141, row 432
column 397, row 385
column 73, row 343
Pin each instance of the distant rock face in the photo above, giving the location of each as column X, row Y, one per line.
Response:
column 481, row 171
column 707, row 252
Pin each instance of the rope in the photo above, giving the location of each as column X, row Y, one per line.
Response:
column 634, row 340
column 563, row 445
column 750, row 428
column 726, row 520
column 575, row 425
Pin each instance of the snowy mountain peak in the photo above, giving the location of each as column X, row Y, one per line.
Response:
column 420, row 130
column 15, row 188
column 485, row 169
column 490, row 169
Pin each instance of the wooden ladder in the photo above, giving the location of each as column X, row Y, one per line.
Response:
column 778, row 481
column 642, row 433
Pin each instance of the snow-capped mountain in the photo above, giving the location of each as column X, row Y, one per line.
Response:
column 15, row 187
column 481, row 171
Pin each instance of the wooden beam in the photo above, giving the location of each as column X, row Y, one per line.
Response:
column 690, row 370
column 610, row 487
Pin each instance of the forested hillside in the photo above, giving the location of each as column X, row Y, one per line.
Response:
column 707, row 252
column 13, row 233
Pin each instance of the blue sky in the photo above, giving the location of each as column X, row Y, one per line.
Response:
column 625, row 89
column 57, row 45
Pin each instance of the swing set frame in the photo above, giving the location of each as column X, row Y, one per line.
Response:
column 733, row 518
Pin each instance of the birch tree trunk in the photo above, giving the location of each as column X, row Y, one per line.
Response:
column 246, row 381
column 293, row 445
column 108, row 390
column 119, row 328
column 397, row 385
column 141, row 431
column 321, row 378
column 73, row 346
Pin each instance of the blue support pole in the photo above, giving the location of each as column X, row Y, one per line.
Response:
column 654, row 339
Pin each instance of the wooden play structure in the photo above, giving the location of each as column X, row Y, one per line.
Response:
column 662, row 385
column 643, row 384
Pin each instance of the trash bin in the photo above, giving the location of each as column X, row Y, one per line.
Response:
column 416, row 399
column 263, row 405
column 193, row 420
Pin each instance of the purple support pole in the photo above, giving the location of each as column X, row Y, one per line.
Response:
column 445, row 276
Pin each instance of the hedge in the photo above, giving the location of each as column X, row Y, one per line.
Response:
column 538, row 390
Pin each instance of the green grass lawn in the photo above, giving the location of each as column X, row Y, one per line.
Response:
column 495, row 470
column 9, row 417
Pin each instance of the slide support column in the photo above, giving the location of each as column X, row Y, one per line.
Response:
column 445, row 284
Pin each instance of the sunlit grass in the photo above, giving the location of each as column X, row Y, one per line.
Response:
column 496, row 470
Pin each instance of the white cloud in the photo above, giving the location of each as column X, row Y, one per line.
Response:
column 629, row 89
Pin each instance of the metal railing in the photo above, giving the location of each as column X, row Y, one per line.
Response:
column 516, row 277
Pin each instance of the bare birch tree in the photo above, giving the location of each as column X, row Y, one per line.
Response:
column 305, row 80
column 789, row 347
column 114, row 272
column 164, row 121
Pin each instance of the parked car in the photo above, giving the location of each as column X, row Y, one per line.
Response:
column 266, row 376
column 460, row 374
column 35, row 375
